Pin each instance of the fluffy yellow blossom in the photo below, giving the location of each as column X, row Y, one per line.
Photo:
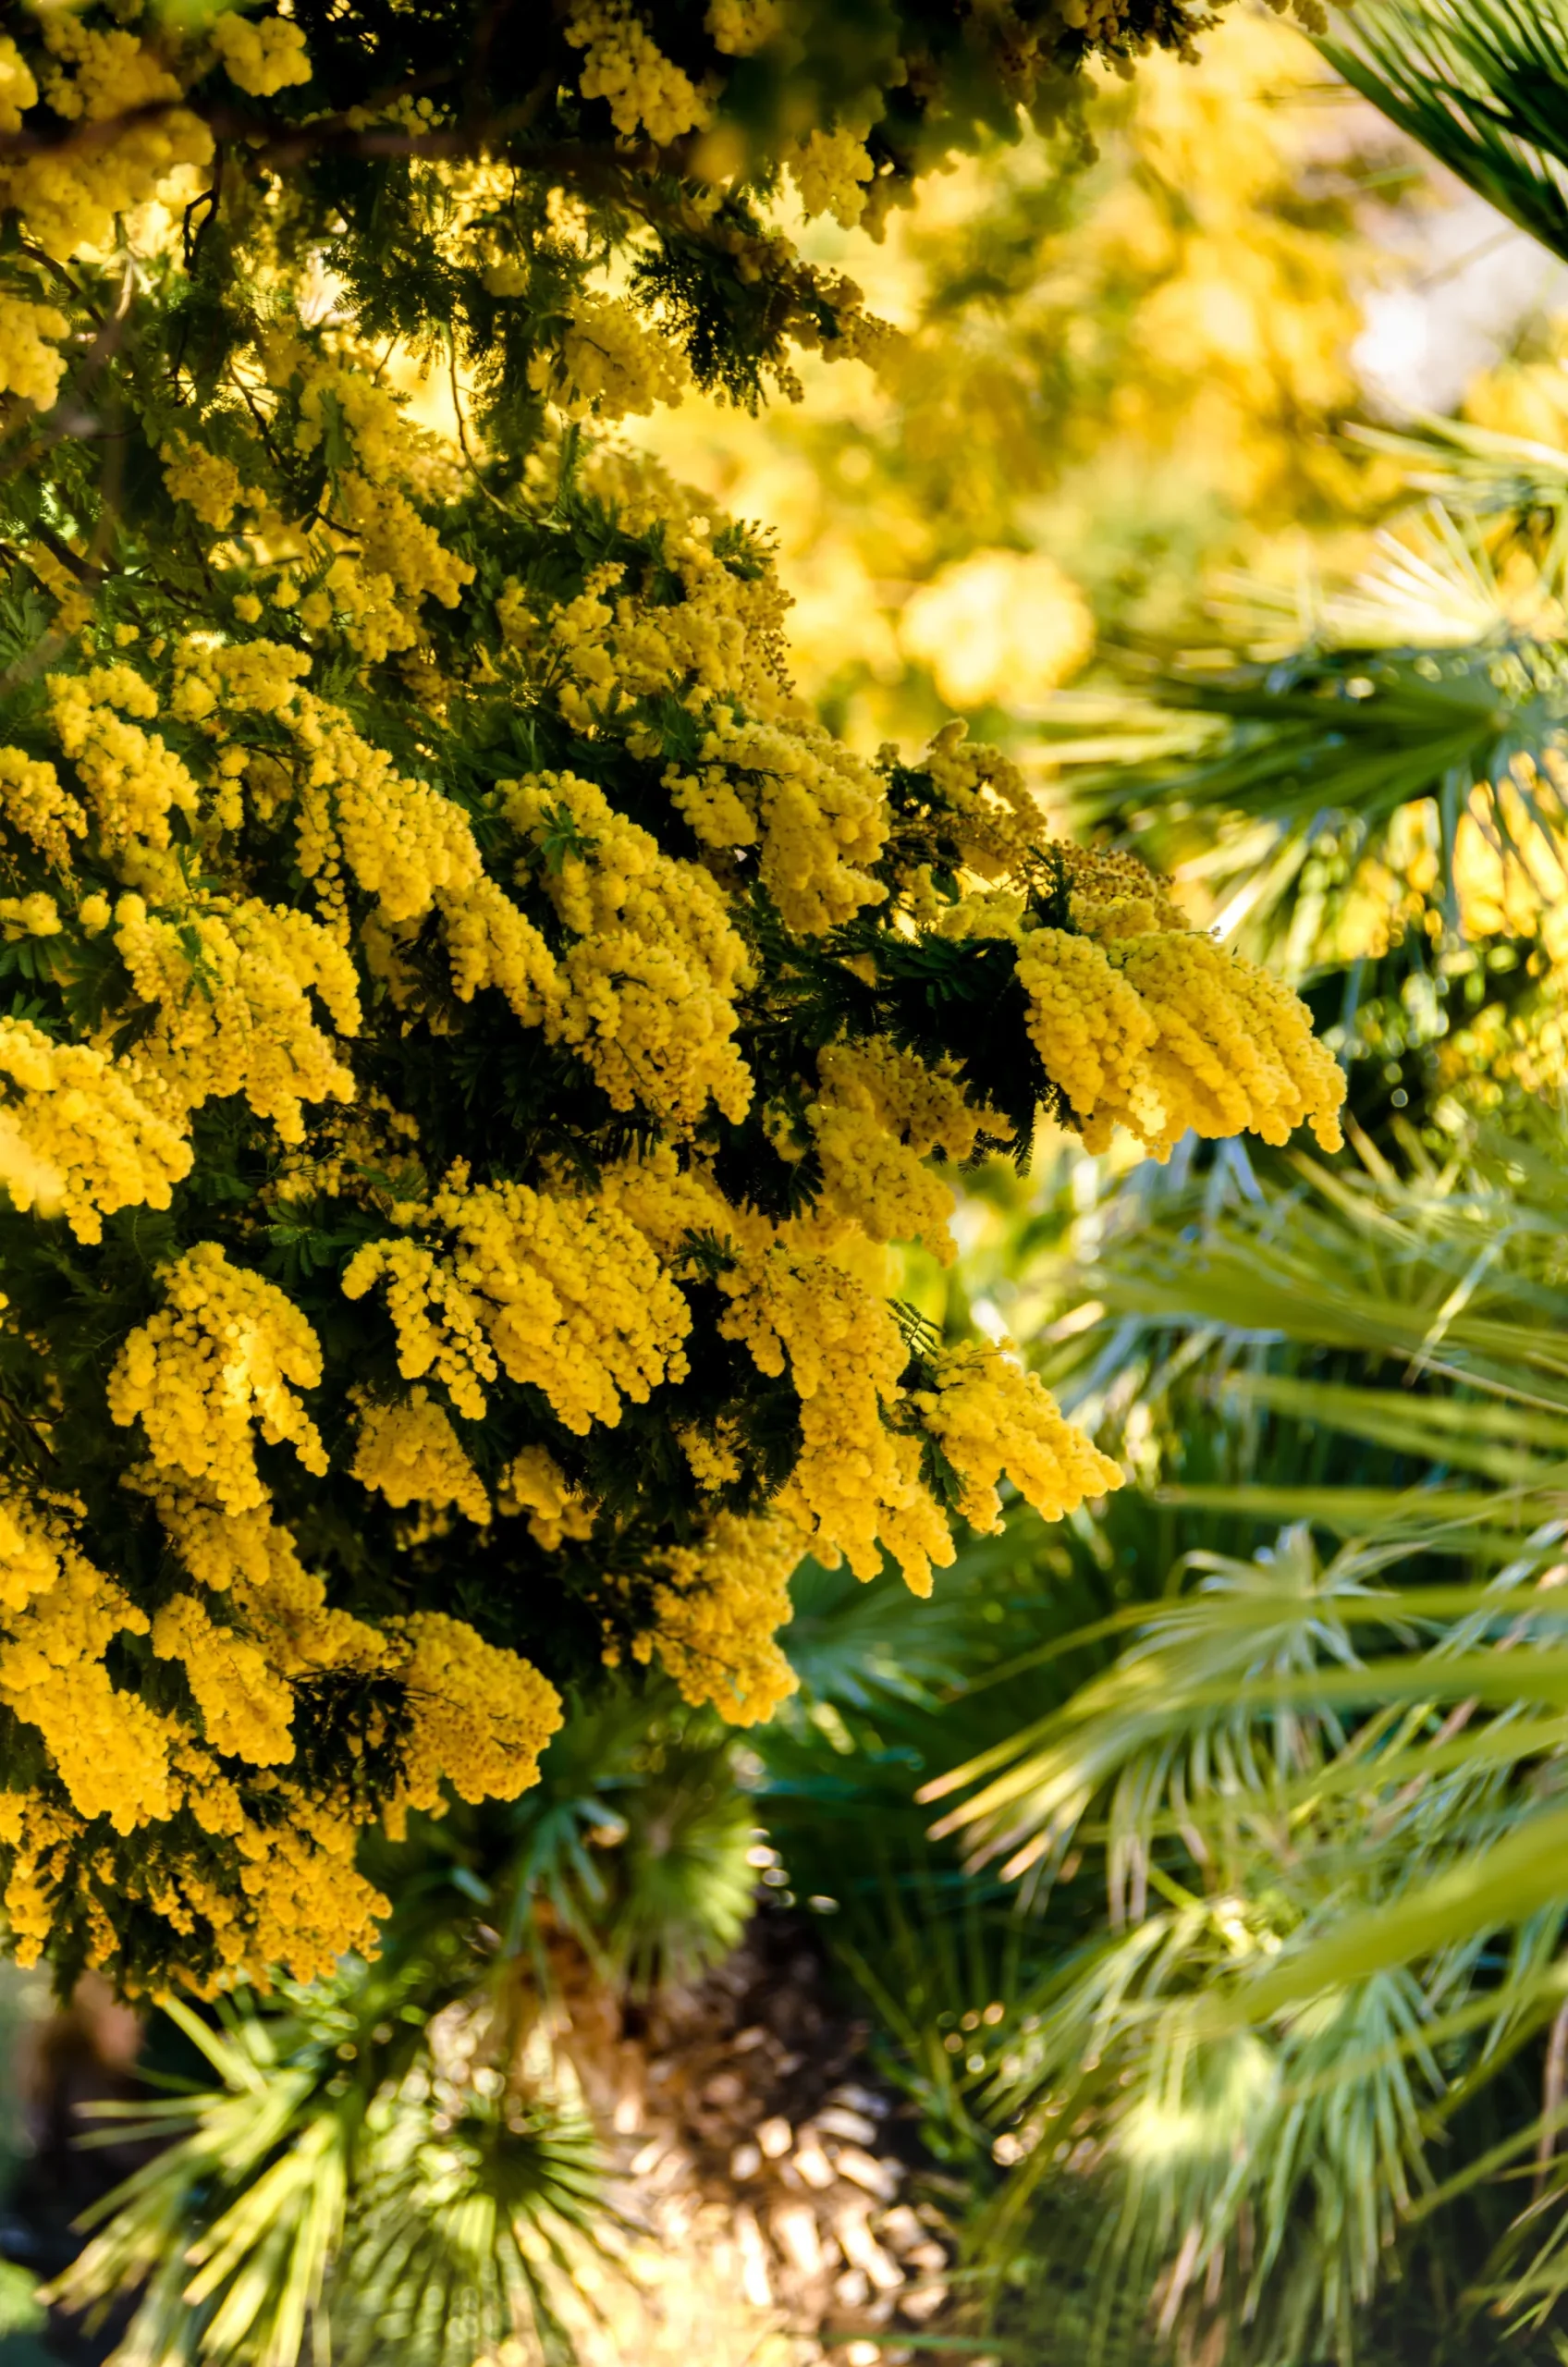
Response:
column 283, row 1604
column 480, row 1716
column 211, row 483
column 232, row 983
column 609, row 365
column 816, row 813
column 439, row 1323
column 667, row 1199
column 76, row 1137
column 69, row 198
column 401, row 841
column 1111, row 893
column 990, row 1417
column 1235, row 1049
column 740, row 28
column 573, row 1295
column 645, row 89
column 18, row 89
column 832, row 170
column 248, row 678
column 612, row 646
column 246, row 1705
column 649, row 984
column 262, row 55
column 395, row 542
column 714, row 1460
column 29, row 367
column 716, row 1613
column 298, row 1901
column 1091, row 1030
column 108, row 1749
column 1166, row 1031
column 987, row 801
column 368, row 411
column 857, row 1482
column 880, row 1114
column 102, row 74
column 535, row 1483
column 491, row 943
column 33, row 802
column 40, row 1835
column 34, row 915
column 217, row 1356
column 30, row 1555
column 413, row 1455
column 132, row 779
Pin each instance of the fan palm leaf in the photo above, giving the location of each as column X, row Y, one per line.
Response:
column 1483, row 86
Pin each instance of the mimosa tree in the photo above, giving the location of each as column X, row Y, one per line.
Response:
column 472, row 1035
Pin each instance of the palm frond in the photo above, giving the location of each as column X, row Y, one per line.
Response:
column 1327, row 1795
column 1472, row 471
column 1483, row 86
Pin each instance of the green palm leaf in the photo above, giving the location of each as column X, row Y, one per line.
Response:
column 1483, row 85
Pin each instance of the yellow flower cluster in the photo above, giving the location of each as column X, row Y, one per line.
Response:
column 562, row 1293
column 576, row 1300
column 210, row 484
column 1091, row 1030
column 231, row 985
column 283, row 1604
column 401, row 841
column 109, row 1750
column 77, row 1138
column 403, row 554
column 645, row 91
column 1236, row 1050
column 716, row 1612
column 985, row 802
column 216, row 1357
column 68, row 198
column 413, row 1455
column 610, row 647
column 880, row 1115
column 262, row 57
column 439, row 1323
column 740, row 28
column 990, row 1417
column 29, row 1554
column 648, row 985
column 133, row 780
column 816, row 813
column 300, row 1901
column 490, row 943
column 32, row 802
column 41, row 1837
column 480, row 1717
column 608, row 365
column 102, row 74
column 535, row 1483
column 35, row 916
column 247, row 1706
column 857, row 1482
column 18, row 90
column 29, row 367
column 1168, row 1032
column 832, row 171
column 368, row 410
column 476, row 1714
